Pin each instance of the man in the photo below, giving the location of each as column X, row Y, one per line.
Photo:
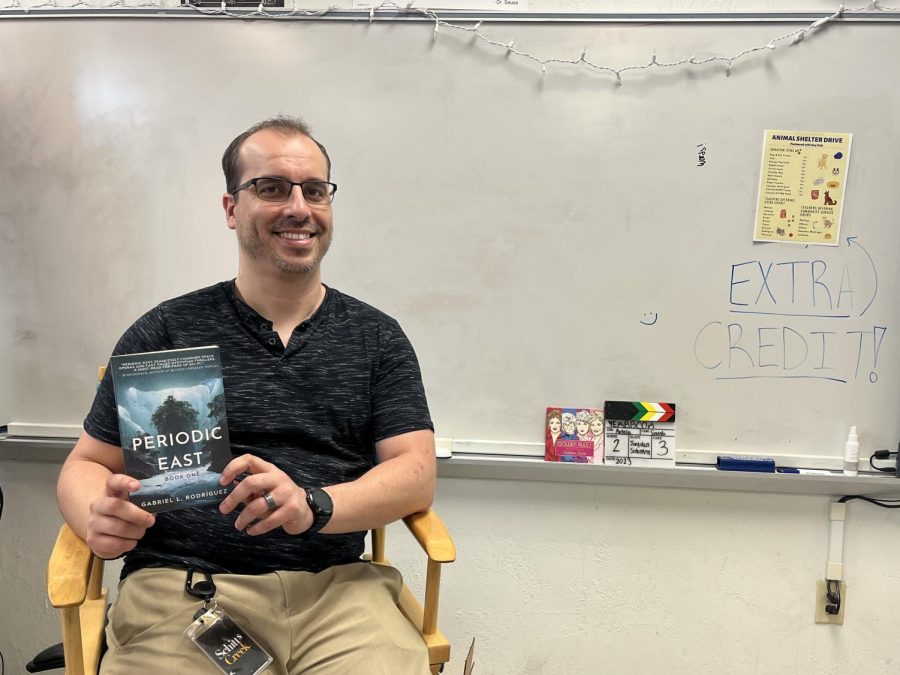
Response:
column 329, row 427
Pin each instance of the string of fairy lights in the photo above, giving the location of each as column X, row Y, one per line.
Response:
column 511, row 48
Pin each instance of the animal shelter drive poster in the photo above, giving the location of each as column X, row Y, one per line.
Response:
column 802, row 187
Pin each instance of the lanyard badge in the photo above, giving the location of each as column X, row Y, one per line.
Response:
column 216, row 634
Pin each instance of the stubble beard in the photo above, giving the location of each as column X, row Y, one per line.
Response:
column 296, row 267
column 252, row 245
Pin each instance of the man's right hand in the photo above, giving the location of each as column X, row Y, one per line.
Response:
column 115, row 524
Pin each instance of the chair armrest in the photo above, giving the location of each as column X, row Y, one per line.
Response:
column 432, row 536
column 69, row 570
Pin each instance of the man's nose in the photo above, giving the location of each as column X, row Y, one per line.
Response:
column 296, row 205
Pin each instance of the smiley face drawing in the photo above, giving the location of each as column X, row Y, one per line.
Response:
column 649, row 318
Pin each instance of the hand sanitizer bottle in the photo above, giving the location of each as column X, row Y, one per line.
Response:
column 851, row 453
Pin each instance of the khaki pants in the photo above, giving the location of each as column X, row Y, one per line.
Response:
column 342, row 621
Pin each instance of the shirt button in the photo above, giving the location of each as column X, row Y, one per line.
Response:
column 272, row 341
column 264, row 326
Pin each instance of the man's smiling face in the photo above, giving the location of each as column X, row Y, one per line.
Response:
column 289, row 237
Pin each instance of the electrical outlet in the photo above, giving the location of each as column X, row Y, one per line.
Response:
column 821, row 600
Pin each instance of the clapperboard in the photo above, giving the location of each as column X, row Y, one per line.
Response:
column 639, row 433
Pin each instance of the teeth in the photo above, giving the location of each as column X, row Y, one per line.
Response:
column 295, row 235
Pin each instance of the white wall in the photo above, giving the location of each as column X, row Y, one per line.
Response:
column 563, row 579
column 579, row 579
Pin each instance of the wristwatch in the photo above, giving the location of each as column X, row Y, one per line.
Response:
column 321, row 506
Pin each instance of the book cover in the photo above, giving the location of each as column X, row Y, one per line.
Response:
column 574, row 435
column 172, row 426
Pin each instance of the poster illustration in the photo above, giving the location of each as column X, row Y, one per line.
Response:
column 802, row 187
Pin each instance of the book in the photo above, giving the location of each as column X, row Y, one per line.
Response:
column 172, row 426
column 574, row 435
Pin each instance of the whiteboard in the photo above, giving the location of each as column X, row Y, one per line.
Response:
column 523, row 228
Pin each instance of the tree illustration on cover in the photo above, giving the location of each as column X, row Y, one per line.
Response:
column 174, row 416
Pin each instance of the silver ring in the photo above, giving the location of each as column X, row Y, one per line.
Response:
column 270, row 501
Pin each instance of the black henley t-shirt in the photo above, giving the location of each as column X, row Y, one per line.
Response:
column 348, row 378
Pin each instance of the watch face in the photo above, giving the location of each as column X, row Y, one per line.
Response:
column 320, row 501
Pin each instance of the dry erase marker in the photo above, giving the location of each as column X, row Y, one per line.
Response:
column 807, row 472
column 757, row 464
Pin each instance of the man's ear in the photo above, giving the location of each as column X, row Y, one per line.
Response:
column 229, row 205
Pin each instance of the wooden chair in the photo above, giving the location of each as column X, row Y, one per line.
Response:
column 75, row 576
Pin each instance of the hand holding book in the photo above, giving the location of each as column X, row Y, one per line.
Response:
column 116, row 524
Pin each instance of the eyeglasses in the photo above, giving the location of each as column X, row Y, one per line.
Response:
column 270, row 189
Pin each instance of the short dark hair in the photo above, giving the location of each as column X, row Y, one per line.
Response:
column 285, row 124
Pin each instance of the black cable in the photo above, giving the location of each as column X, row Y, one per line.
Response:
column 883, row 503
column 882, row 454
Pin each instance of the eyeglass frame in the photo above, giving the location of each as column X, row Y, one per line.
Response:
column 252, row 182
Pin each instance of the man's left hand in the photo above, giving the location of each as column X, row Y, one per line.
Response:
column 290, row 510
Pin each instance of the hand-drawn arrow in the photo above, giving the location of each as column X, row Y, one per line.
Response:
column 852, row 240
